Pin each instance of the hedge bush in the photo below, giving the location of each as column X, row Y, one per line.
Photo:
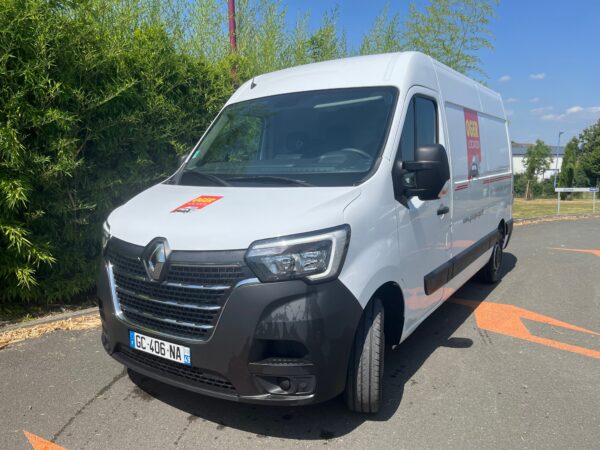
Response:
column 96, row 102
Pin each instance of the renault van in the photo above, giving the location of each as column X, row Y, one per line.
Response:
column 326, row 212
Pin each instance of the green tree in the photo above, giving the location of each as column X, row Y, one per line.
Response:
column 296, row 52
column 537, row 159
column 261, row 36
column 569, row 163
column 327, row 42
column 452, row 31
column 206, row 35
column 590, row 153
column 384, row 35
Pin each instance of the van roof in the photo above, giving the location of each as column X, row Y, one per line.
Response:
column 357, row 71
column 402, row 69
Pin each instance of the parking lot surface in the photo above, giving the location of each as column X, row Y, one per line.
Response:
column 515, row 365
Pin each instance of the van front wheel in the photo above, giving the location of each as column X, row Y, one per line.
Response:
column 492, row 271
column 365, row 370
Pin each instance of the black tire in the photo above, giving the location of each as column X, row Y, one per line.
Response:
column 363, row 392
column 492, row 272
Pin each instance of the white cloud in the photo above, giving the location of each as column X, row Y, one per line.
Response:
column 511, row 100
column 574, row 109
column 542, row 110
column 504, row 79
column 583, row 111
column 537, row 76
column 575, row 114
column 535, row 100
column 553, row 117
column 510, row 112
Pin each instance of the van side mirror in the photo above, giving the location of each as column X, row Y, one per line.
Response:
column 425, row 176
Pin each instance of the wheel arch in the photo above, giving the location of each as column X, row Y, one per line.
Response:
column 392, row 299
column 505, row 230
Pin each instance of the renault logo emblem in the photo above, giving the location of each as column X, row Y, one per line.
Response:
column 155, row 259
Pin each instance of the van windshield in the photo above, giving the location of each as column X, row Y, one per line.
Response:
column 314, row 138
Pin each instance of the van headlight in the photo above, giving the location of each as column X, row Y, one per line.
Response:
column 316, row 256
column 105, row 235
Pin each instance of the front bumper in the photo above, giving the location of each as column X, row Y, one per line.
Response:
column 267, row 333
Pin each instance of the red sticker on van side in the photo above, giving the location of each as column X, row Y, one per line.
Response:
column 198, row 203
column 473, row 143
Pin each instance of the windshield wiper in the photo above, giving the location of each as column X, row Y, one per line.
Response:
column 272, row 179
column 207, row 176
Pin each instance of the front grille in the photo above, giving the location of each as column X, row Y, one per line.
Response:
column 221, row 274
column 186, row 304
column 127, row 264
column 192, row 375
column 187, row 295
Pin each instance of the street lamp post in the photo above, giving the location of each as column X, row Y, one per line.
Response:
column 560, row 133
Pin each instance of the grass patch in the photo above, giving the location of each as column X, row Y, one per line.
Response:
column 87, row 322
column 525, row 209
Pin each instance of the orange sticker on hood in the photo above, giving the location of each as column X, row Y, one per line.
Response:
column 198, row 203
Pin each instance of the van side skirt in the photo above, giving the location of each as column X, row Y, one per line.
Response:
column 438, row 277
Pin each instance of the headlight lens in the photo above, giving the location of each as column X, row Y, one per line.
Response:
column 314, row 256
column 105, row 235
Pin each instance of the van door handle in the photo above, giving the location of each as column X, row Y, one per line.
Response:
column 443, row 210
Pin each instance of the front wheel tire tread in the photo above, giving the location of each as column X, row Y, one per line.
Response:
column 363, row 392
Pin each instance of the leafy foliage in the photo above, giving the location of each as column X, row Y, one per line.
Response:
column 452, row 31
column 569, row 164
column 384, row 36
column 537, row 159
column 581, row 162
column 589, row 160
column 96, row 102
column 538, row 188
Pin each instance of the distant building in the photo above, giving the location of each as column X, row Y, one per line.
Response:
column 519, row 150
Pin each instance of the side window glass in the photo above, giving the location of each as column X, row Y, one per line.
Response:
column 426, row 122
column 420, row 127
column 407, row 139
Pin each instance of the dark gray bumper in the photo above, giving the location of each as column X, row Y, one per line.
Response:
column 267, row 333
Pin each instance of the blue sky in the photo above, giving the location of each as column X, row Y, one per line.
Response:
column 546, row 62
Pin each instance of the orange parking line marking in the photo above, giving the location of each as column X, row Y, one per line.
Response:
column 580, row 250
column 39, row 443
column 507, row 320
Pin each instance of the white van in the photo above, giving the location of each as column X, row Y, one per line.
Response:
column 328, row 209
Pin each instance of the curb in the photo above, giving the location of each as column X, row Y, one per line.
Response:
column 49, row 319
column 554, row 218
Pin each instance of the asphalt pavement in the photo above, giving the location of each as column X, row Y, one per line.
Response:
column 515, row 365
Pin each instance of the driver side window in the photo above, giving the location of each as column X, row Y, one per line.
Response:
column 420, row 127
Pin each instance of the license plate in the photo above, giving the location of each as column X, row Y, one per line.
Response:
column 158, row 347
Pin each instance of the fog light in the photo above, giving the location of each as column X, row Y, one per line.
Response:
column 290, row 385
